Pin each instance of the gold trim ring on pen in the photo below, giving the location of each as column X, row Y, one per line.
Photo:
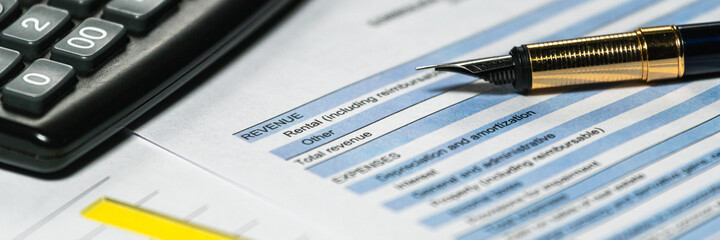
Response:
column 647, row 54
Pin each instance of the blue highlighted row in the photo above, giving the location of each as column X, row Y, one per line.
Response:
column 567, row 129
column 645, row 192
column 579, row 156
column 411, row 131
column 468, row 140
column 704, row 231
column 333, row 100
column 667, row 214
column 372, row 114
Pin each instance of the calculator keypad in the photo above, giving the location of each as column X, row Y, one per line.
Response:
column 33, row 33
column 137, row 15
column 38, row 87
column 90, row 44
column 83, row 50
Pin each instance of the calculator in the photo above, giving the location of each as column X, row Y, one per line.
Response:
column 74, row 72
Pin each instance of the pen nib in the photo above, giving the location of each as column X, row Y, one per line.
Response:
column 496, row 70
column 475, row 66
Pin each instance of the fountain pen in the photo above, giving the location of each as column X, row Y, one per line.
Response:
column 648, row 54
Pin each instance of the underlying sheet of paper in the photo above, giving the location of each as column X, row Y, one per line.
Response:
column 328, row 118
column 145, row 175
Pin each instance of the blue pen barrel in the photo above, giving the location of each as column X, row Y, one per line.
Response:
column 701, row 44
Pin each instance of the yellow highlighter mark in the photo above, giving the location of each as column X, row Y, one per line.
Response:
column 151, row 224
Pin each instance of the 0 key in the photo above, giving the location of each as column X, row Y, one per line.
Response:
column 37, row 88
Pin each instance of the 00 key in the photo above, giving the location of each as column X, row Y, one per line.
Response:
column 90, row 44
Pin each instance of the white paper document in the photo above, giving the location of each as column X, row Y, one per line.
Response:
column 142, row 174
column 328, row 119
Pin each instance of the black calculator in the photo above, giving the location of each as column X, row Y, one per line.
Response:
column 74, row 72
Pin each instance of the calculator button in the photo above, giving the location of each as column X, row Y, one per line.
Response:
column 10, row 62
column 9, row 9
column 35, row 30
column 90, row 44
column 78, row 8
column 38, row 87
column 137, row 15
